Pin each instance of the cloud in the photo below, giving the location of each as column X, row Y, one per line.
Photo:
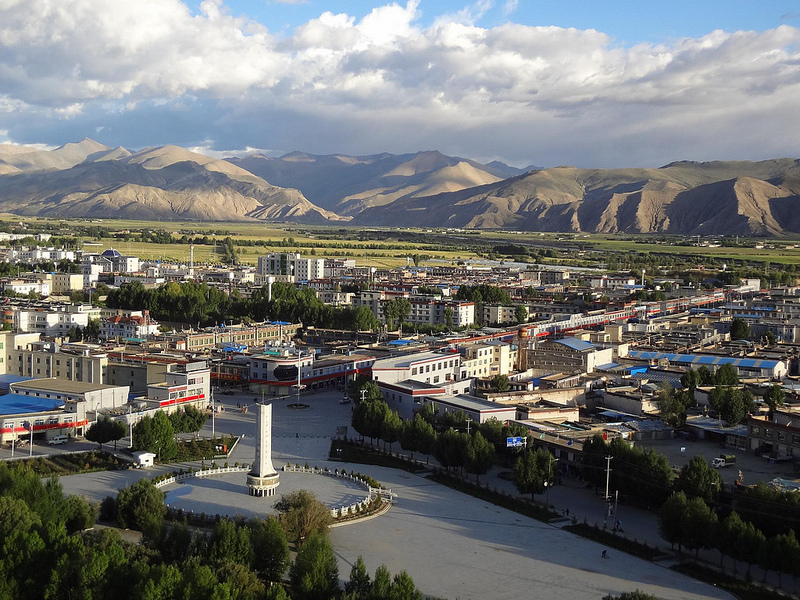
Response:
column 155, row 72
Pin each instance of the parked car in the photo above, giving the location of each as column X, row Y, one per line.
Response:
column 58, row 440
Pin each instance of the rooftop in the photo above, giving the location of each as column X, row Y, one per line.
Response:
column 61, row 385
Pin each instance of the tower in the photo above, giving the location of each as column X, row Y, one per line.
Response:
column 262, row 478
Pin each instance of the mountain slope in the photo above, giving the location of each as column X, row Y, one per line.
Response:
column 349, row 184
column 155, row 184
column 744, row 198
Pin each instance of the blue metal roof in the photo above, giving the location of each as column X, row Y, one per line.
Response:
column 575, row 344
column 694, row 359
column 15, row 404
column 399, row 343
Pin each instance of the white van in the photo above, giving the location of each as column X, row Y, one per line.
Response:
column 59, row 439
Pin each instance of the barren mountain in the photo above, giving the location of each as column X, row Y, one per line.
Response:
column 157, row 183
column 743, row 198
column 350, row 184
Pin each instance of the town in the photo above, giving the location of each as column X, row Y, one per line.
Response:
column 556, row 360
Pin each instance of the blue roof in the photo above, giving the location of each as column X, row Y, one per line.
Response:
column 399, row 342
column 575, row 344
column 694, row 359
column 14, row 404
column 9, row 378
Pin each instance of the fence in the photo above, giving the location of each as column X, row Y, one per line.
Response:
column 351, row 509
column 206, row 473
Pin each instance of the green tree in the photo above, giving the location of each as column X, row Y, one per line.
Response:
column 141, row 506
column 403, row 588
column 480, row 455
column 448, row 318
column 78, row 514
column 774, row 397
column 501, row 383
column 358, row 586
column 229, row 542
column 106, row 430
column 92, row 330
column 739, row 329
column 699, row 480
column 532, row 470
column 381, row 584
column 690, row 379
column 270, row 555
column 391, row 427
column 634, row 595
column 314, row 575
column 728, row 534
column 670, row 519
column 155, row 434
column 698, row 525
column 520, row 314
column 302, row 515
column 727, row 374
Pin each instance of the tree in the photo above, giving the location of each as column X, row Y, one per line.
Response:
column 520, row 314
column 532, row 471
column 634, row 595
column 411, row 434
column 448, row 318
column 381, row 584
column 774, row 397
column 727, row 374
column 270, row 555
column 314, row 575
column 92, row 330
column 357, row 588
column 784, row 549
column 690, row 379
column 403, row 588
column 391, row 427
column 670, row 518
column 500, row 383
column 699, row 480
column 155, row 434
column 140, row 506
column 728, row 534
column 698, row 525
column 106, row 430
column 229, row 542
column 78, row 514
column 739, row 329
column 303, row 515
column 480, row 455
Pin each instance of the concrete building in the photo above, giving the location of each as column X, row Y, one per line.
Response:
column 427, row 367
column 48, row 359
column 568, row 353
column 64, row 283
column 778, row 437
column 188, row 384
column 746, row 367
column 255, row 334
column 127, row 327
column 55, row 320
column 476, row 409
column 291, row 265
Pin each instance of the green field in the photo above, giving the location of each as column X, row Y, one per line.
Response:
column 384, row 247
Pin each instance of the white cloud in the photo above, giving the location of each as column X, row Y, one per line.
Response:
column 384, row 82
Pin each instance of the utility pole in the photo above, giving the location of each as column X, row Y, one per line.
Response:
column 468, row 422
column 213, row 412
column 606, row 498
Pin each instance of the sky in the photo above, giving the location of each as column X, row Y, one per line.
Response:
column 578, row 82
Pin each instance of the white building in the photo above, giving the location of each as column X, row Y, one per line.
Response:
column 291, row 265
column 129, row 326
column 188, row 384
column 55, row 321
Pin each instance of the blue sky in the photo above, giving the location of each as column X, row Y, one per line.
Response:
column 627, row 21
column 588, row 83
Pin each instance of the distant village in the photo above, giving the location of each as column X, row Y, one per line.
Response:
column 569, row 356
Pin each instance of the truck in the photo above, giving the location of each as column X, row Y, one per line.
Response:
column 723, row 460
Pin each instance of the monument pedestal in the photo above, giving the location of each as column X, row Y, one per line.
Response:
column 262, row 486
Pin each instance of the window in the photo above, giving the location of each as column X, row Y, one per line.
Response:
column 768, row 433
column 781, row 436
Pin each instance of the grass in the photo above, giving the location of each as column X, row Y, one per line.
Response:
column 70, row 464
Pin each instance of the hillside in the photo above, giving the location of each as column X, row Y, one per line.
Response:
column 92, row 180
column 735, row 198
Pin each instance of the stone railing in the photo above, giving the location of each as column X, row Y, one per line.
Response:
column 158, row 483
column 351, row 509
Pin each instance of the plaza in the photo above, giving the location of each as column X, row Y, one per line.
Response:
column 453, row 545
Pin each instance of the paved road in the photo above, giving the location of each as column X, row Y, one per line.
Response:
column 453, row 545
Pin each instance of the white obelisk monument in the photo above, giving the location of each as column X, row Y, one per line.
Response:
column 263, row 478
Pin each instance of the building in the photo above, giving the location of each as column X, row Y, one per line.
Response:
column 276, row 370
column 129, row 327
column 568, row 353
column 746, row 367
column 291, row 265
column 778, row 437
column 255, row 334
column 48, row 359
column 426, row 367
column 55, row 320
column 188, row 384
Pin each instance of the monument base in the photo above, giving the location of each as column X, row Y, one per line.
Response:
column 262, row 486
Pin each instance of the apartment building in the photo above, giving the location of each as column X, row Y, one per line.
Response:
column 294, row 266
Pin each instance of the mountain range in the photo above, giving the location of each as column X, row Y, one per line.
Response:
column 429, row 189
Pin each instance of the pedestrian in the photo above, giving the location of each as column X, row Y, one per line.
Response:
column 604, row 554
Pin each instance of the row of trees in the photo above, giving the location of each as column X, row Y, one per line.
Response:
column 193, row 303
column 156, row 434
column 690, row 523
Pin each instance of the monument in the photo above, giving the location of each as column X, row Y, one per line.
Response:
column 263, row 478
